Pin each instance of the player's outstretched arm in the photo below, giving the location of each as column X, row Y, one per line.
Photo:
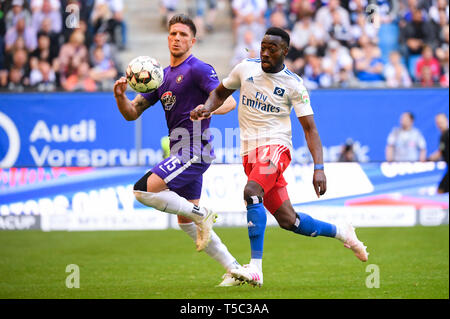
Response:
column 130, row 110
column 216, row 98
column 315, row 147
column 227, row 106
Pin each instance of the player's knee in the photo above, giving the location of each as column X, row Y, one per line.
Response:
column 140, row 197
column 141, row 185
column 286, row 224
column 150, row 199
column 286, row 216
column 253, row 193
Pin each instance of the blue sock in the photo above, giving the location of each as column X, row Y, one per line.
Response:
column 308, row 226
column 257, row 219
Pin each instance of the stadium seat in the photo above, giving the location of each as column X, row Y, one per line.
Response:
column 388, row 39
column 412, row 65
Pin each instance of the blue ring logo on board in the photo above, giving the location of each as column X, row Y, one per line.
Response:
column 14, row 141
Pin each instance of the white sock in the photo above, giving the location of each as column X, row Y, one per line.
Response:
column 341, row 233
column 170, row 202
column 216, row 249
column 257, row 263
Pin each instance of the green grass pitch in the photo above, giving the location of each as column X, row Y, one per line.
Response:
column 413, row 263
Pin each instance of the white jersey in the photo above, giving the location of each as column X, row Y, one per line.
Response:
column 265, row 104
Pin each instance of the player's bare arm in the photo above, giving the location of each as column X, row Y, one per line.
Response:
column 216, row 98
column 315, row 147
column 130, row 110
column 227, row 106
column 435, row 156
column 423, row 155
column 389, row 153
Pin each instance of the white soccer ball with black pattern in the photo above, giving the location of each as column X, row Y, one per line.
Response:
column 144, row 74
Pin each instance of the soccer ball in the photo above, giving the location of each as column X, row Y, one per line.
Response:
column 144, row 74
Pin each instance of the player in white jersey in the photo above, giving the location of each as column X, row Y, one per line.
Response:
column 268, row 92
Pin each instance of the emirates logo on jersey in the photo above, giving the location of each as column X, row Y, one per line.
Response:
column 168, row 100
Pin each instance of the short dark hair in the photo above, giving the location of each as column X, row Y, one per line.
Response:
column 183, row 19
column 411, row 115
column 279, row 32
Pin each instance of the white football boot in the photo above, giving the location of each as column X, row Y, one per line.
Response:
column 248, row 273
column 352, row 242
column 204, row 228
column 229, row 281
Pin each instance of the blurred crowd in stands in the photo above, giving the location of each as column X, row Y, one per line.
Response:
column 51, row 45
column 352, row 43
column 72, row 44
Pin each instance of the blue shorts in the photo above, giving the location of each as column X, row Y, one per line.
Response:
column 185, row 179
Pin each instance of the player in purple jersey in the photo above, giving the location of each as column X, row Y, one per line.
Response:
column 174, row 185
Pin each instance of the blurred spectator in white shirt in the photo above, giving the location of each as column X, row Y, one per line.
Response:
column 21, row 30
column 395, row 72
column 101, row 41
column 303, row 30
column 363, row 28
column 103, row 70
column 336, row 61
column 356, row 8
column 387, row 10
column 438, row 7
column 43, row 77
column 340, row 30
column 116, row 6
column 406, row 143
column 36, row 5
column 16, row 13
column 314, row 76
column 248, row 13
column 249, row 48
column 305, row 33
column 46, row 11
column 324, row 15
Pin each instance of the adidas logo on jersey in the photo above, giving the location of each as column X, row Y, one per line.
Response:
column 250, row 79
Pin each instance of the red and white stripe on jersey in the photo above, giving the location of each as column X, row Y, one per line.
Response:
column 277, row 154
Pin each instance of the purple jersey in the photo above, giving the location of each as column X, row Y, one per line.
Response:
column 186, row 86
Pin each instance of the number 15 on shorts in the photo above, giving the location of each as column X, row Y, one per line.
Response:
column 170, row 165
